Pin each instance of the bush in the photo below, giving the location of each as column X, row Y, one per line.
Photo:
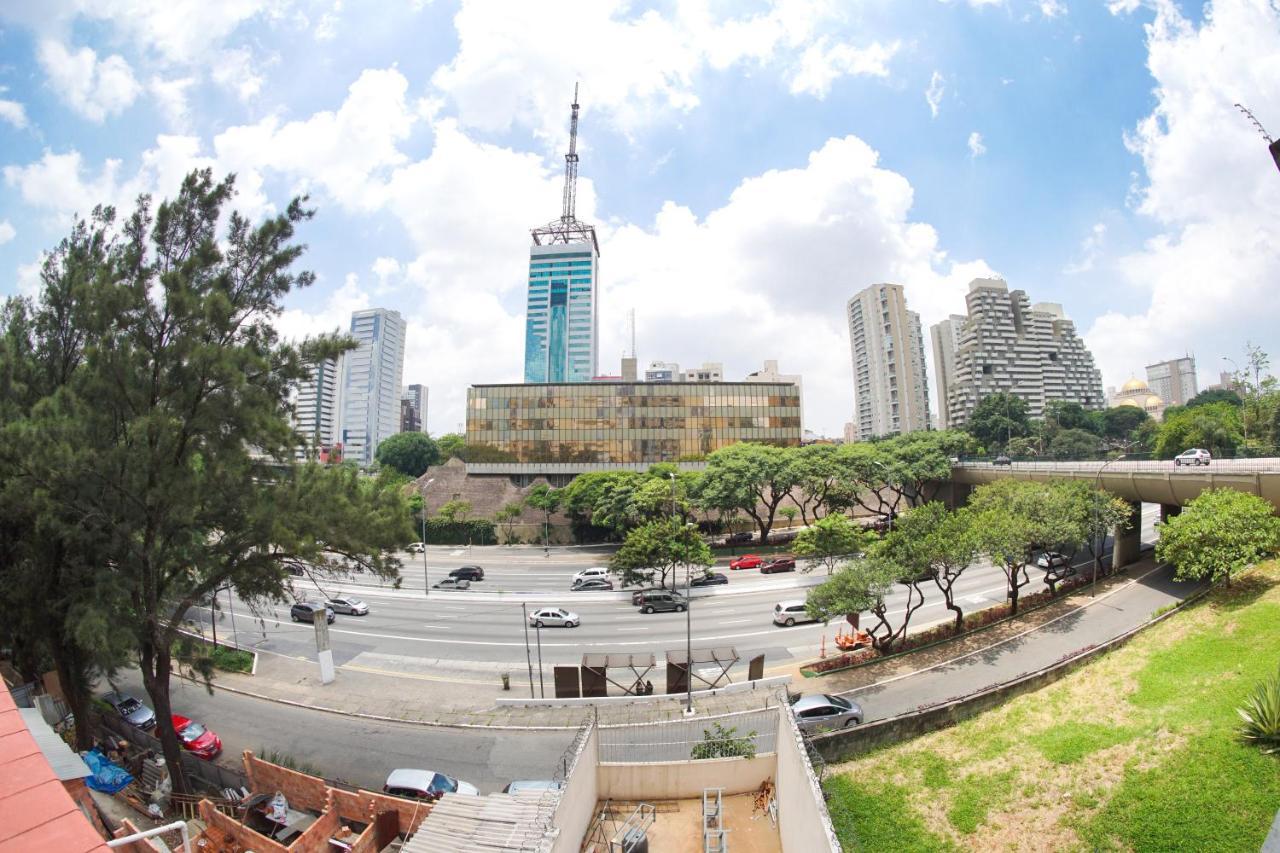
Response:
column 202, row 655
column 719, row 742
column 475, row 531
column 1261, row 716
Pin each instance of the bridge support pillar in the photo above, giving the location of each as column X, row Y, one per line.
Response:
column 1127, row 545
column 1168, row 511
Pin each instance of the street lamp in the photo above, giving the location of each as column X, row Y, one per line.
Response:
column 426, row 583
column 1097, row 555
column 688, row 616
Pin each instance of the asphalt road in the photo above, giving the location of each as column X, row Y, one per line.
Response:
column 363, row 752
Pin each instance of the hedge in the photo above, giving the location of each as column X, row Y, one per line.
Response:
column 476, row 531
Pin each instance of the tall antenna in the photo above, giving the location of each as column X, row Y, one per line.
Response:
column 633, row 333
column 571, row 165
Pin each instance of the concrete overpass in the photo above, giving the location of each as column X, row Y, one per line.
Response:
column 1138, row 482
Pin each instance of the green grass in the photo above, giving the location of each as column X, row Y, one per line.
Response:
column 974, row 797
column 284, row 759
column 876, row 816
column 935, row 770
column 225, row 658
column 1071, row 741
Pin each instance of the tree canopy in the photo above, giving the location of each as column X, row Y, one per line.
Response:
column 1215, row 427
column 998, row 418
column 831, row 540
column 1218, row 535
column 751, row 478
column 660, row 547
column 410, row 453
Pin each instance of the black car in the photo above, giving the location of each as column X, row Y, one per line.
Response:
column 468, row 573
column 305, row 611
column 709, row 579
column 591, row 585
column 1002, row 460
column 637, row 597
column 739, row 538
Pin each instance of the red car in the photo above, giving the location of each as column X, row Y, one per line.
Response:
column 746, row 561
column 781, row 564
column 196, row 739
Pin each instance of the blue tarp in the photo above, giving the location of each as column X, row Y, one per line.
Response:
column 107, row 777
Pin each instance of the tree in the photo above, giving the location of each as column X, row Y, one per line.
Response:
column 410, row 453
column 547, row 499
column 721, row 742
column 454, row 510
column 1219, row 534
column 659, row 546
column 997, row 418
column 753, row 478
column 1120, row 422
column 1216, row 427
column 816, row 470
column 865, row 585
column 1066, row 414
column 451, row 445
column 1074, row 444
column 1093, row 515
column 1210, row 396
column 789, row 513
column 171, row 444
column 831, row 540
column 1017, row 518
column 506, row 519
column 931, row 540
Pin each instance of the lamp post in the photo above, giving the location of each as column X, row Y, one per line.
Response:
column 528, row 656
column 1097, row 555
column 688, row 618
column 426, row 583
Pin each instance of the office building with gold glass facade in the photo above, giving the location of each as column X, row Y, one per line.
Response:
column 571, row 428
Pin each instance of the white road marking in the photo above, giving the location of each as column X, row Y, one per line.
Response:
column 633, row 630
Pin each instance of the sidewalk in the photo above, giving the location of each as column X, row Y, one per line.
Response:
column 446, row 693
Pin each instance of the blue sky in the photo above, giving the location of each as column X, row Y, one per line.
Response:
column 750, row 165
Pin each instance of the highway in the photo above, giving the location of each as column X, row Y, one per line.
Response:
column 484, row 631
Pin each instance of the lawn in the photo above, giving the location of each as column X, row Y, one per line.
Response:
column 1136, row 751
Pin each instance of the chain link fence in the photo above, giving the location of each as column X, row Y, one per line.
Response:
column 675, row 740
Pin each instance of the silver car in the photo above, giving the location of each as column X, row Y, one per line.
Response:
column 823, row 712
column 425, row 785
column 133, row 711
column 1194, row 456
column 452, row 583
column 348, row 605
column 554, row 617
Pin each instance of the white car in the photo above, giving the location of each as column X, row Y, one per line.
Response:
column 1194, row 456
column 425, row 785
column 416, row 548
column 553, row 617
column 347, row 604
column 595, row 573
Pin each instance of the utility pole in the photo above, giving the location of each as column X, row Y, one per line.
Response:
column 426, row 582
column 524, row 608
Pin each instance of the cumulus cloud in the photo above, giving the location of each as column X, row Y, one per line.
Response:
column 933, row 95
column 235, row 70
column 171, row 97
column 92, row 87
column 1208, row 276
column 1090, row 248
column 1052, row 8
column 13, row 112
column 976, row 146
column 824, row 62
column 7, row 231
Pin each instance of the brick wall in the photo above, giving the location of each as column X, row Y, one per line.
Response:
column 316, row 837
column 364, row 806
column 245, row 837
column 302, row 791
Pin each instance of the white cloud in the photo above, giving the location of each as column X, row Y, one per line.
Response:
column 1208, row 277
column 13, row 112
column 1052, row 8
column 822, row 63
column 334, row 315
column 234, row 69
column 171, row 97
column 933, row 95
column 7, row 231
column 28, row 276
column 1090, row 248
column 976, row 146
column 327, row 27
column 93, row 88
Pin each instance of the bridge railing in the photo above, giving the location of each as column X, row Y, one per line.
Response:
column 1143, row 463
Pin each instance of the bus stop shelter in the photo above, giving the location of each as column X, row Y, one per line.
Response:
column 681, row 667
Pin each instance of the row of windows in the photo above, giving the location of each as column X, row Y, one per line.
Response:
column 613, row 449
column 543, row 265
column 585, row 426
column 692, row 405
column 563, row 255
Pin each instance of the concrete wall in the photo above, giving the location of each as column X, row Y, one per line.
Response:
column 578, row 800
column 803, row 822
column 673, row 780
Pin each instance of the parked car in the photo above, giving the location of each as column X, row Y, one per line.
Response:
column 1194, row 456
column 778, row 564
column 452, row 583
column 823, row 712
column 348, row 605
column 884, row 523
column 425, row 785
column 746, row 561
column 591, row 574
column 416, row 547
column 305, row 611
column 532, row 785
column 709, row 579
column 131, row 710
column 738, row 538
column 591, row 585
column 196, row 739
column 637, row 597
column 788, row 613
column 1002, row 460
column 468, row 573
column 555, row 617
column 662, row 601
column 1052, row 560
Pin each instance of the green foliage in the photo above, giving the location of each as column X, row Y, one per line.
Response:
column 746, row 477
column 1218, row 534
column 474, row 531
column 721, row 742
column 857, row 586
column 1260, row 715
column 1066, row 415
column 1075, row 444
column 410, row 453
column 1215, row 427
column 1119, row 422
column 197, row 652
column 997, row 418
column 831, row 539
column 548, row 500
column 1213, row 396
column 659, row 547
column 1069, row 742
column 506, row 519
column 451, row 445
column 455, row 510
column 975, row 795
column 932, row 541
column 284, row 759
column 875, row 815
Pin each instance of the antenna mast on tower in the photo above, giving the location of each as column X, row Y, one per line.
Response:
column 571, row 165
column 567, row 229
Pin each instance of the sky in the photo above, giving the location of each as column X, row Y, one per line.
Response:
column 749, row 165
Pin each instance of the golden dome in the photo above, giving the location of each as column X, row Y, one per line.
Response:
column 1154, row 402
column 1131, row 402
column 1134, row 384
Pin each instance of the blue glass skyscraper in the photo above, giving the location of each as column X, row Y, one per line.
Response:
column 560, row 333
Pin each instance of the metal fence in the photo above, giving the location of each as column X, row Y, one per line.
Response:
column 674, row 740
column 1219, row 465
column 212, row 776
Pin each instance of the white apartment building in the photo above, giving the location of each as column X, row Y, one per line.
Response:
column 317, row 405
column 891, row 391
column 371, row 380
column 1006, row 344
column 711, row 371
column 663, row 371
column 945, row 336
column 1173, row 381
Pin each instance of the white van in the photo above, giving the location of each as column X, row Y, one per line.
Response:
column 595, row 573
column 788, row 613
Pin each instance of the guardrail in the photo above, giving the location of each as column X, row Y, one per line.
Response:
column 1219, row 465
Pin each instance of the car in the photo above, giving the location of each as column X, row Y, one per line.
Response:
column 884, row 523
column 305, row 611
column 131, row 710
column 778, row 564
column 196, row 739
column 348, row 605
column 425, row 785
column 554, row 617
column 591, row 585
column 746, row 561
column 637, row 597
column 416, row 548
column 823, row 712
column 788, row 613
column 592, row 573
column 468, row 573
column 709, row 579
column 662, row 601
column 452, row 583
column 1053, row 560
column 1194, row 456
column 1002, row 460
column 532, row 785
column 738, row 538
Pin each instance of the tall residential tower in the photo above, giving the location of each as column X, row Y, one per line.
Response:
column 891, row 392
column 317, row 407
column 1174, row 381
column 561, row 342
column 371, row 378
